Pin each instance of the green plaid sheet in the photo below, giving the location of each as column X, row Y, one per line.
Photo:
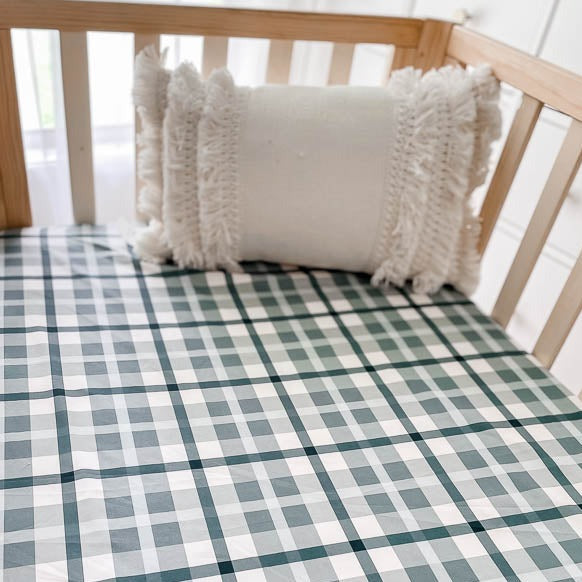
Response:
column 279, row 424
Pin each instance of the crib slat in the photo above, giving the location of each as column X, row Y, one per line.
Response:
column 279, row 63
column 550, row 202
column 432, row 45
column 14, row 201
column 75, row 68
column 453, row 62
column 140, row 41
column 341, row 64
column 214, row 54
column 562, row 318
column 519, row 135
column 401, row 58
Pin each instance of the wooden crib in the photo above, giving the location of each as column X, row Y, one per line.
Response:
column 421, row 43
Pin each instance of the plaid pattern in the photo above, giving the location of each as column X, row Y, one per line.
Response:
column 280, row 424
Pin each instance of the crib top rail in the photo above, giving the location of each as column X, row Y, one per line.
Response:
column 70, row 15
column 548, row 83
column 430, row 39
column 417, row 42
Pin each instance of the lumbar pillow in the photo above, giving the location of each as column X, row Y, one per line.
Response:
column 362, row 179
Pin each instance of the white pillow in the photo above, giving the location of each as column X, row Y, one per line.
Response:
column 362, row 179
column 150, row 98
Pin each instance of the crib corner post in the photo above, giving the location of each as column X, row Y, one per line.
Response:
column 14, row 200
column 432, row 46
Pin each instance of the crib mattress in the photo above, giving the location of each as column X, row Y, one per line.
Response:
column 278, row 424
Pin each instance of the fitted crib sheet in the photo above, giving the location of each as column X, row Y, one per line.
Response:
column 278, row 424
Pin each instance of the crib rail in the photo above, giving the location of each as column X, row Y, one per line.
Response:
column 420, row 43
column 71, row 15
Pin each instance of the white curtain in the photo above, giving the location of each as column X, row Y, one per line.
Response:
column 37, row 65
column 37, row 62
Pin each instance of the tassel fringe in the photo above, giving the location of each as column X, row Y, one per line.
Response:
column 149, row 96
column 186, row 95
column 218, row 173
column 430, row 232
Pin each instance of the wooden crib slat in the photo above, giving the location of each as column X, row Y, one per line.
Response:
column 452, row 62
column 401, row 58
column 214, row 54
column 14, row 201
column 279, row 63
column 519, row 135
column 75, row 69
column 550, row 202
column 432, row 45
column 341, row 63
column 562, row 318
column 140, row 41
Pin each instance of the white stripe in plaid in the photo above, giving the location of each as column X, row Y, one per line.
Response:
column 283, row 423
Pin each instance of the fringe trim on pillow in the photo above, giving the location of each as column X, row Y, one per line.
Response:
column 150, row 245
column 180, row 179
column 486, row 90
column 149, row 96
column 218, row 173
column 434, row 235
column 449, row 185
column 401, row 84
column 408, row 179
